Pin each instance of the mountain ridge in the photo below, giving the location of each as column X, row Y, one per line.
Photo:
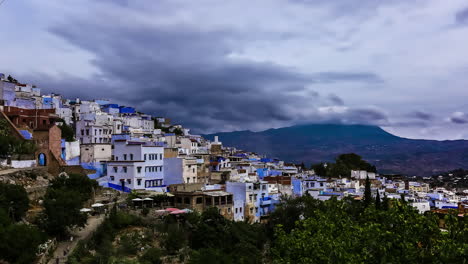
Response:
column 313, row 143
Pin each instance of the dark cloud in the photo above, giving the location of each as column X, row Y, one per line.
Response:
column 185, row 73
column 421, row 115
column 459, row 118
column 461, row 17
column 335, row 99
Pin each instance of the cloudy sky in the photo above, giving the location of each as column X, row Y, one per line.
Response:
column 234, row 65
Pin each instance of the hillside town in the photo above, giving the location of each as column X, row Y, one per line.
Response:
column 129, row 151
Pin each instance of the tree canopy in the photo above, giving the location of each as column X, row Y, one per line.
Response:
column 62, row 202
column 13, row 200
column 343, row 166
column 348, row 232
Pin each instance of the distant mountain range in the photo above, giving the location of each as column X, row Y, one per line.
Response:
column 323, row 142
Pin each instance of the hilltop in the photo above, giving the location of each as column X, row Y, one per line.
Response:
column 323, row 142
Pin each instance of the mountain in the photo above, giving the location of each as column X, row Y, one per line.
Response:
column 323, row 142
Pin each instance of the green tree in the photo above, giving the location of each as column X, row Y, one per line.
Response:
column 367, row 193
column 151, row 256
column 378, row 204
column 62, row 211
column 19, row 243
column 320, row 169
column 14, row 200
column 335, row 233
column 67, row 132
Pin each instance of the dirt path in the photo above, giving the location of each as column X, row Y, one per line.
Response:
column 61, row 254
column 8, row 171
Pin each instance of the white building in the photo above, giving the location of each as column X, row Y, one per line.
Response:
column 137, row 165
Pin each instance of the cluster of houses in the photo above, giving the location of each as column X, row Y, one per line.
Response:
column 129, row 151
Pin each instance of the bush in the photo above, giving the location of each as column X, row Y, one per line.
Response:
column 151, row 256
column 19, row 243
column 14, row 200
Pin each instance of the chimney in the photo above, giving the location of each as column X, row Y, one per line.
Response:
column 216, row 139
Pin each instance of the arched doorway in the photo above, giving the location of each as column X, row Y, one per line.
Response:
column 42, row 159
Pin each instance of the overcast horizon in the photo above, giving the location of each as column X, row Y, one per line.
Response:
column 236, row 65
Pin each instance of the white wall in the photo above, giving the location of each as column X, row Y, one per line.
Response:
column 23, row 163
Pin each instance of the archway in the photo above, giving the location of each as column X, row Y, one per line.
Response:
column 42, row 159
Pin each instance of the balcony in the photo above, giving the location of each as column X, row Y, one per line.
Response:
column 266, row 201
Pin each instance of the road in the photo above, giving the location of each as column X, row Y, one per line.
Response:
column 86, row 232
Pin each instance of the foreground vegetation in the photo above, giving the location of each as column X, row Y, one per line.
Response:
column 301, row 230
column 19, row 239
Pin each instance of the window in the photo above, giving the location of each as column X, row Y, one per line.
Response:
column 138, row 181
column 240, row 209
column 115, row 169
column 229, row 209
column 82, row 132
column 125, row 156
column 208, row 200
column 139, row 170
column 160, row 156
column 131, row 156
column 251, row 210
column 129, row 181
column 112, row 178
column 256, row 209
column 199, row 200
column 236, row 210
column 193, row 170
column 186, row 200
column 95, row 131
column 87, row 132
column 124, row 169
column 144, row 157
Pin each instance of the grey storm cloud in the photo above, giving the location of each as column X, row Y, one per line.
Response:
column 461, row 17
column 335, row 99
column 185, row 73
column 421, row 115
column 459, row 118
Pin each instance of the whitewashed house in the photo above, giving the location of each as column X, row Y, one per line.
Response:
column 136, row 165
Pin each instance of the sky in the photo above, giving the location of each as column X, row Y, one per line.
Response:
column 252, row 65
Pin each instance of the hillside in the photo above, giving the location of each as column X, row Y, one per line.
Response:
column 318, row 142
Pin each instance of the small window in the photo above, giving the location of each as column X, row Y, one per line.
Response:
column 115, row 169
column 139, row 170
column 138, row 181
column 102, row 149
column 199, row 200
column 124, row 169
column 186, row 200
column 129, row 181
column 125, row 156
column 112, row 178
